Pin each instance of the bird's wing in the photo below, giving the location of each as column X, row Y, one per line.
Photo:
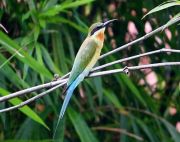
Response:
column 83, row 58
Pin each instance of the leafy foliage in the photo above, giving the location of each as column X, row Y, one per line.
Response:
column 164, row 6
column 43, row 38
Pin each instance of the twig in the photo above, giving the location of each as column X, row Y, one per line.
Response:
column 145, row 112
column 31, row 99
column 54, row 83
column 32, row 89
column 133, row 68
column 3, row 28
column 25, row 91
column 66, row 75
column 138, row 40
column 93, row 75
column 118, row 130
column 132, row 43
column 136, row 56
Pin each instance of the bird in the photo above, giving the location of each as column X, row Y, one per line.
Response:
column 85, row 59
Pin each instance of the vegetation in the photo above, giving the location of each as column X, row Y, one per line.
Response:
column 42, row 40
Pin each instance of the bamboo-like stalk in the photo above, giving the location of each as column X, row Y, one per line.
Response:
column 61, row 80
column 136, row 56
column 138, row 40
column 96, row 74
column 133, row 42
column 101, row 73
column 32, row 99
column 54, row 84
column 32, row 89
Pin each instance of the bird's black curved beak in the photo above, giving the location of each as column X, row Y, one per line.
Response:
column 105, row 24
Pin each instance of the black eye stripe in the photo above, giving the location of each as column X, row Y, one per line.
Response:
column 96, row 29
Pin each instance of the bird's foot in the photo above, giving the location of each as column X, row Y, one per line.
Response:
column 56, row 77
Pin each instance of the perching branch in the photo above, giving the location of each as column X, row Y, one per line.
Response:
column 133, row 68
column 133, row 42
column 101, row 73
column 62, row 80
column 135, row 57
column 54, row 83
column 32, row 99
column 32, row 89
column 138, row 40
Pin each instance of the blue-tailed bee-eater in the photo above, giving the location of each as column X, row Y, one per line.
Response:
column 86, row 58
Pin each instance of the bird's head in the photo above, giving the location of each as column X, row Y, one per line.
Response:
column 97, row 29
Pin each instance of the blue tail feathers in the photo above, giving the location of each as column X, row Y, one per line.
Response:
column 68, row 96
column 65, row 103
column 66, row 100
column 70, row 90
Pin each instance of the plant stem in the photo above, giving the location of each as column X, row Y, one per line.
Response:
column 54, row 83
column 96, row 74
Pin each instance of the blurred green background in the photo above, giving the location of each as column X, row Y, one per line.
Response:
column 143, row 106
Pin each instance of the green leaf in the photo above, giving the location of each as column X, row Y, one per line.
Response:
column 134, row 89
column 57, row 19
column 146, row 129
column 81, row 127
column 26, row 16
column 36, row 32
column 172, row 130
column 99, row 88
column 49, row 3
column 59, row 52
column 39, row 57
column 59, row 8
column 112, row 97
column 25, row 109
column 163, row 6
column 70, row 43
column 59, row 135
column 49, row 61
column 12, row 47
column 125, row 81
column 170, row 22
column 6, row 61
column 10, row 74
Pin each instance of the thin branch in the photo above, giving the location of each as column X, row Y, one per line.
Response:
column 93, row 75
column 29, row 90
column 32, row 89
column 31, row 99
column 133, row 68
column 3, row 28
column 54, row 83
column 145, row 112
column 66, row 75
column 136, row 56
column 132, row 43
column 138, row 40
column 118, row 130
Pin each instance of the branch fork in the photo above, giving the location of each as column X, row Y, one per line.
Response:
column 58, row 82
